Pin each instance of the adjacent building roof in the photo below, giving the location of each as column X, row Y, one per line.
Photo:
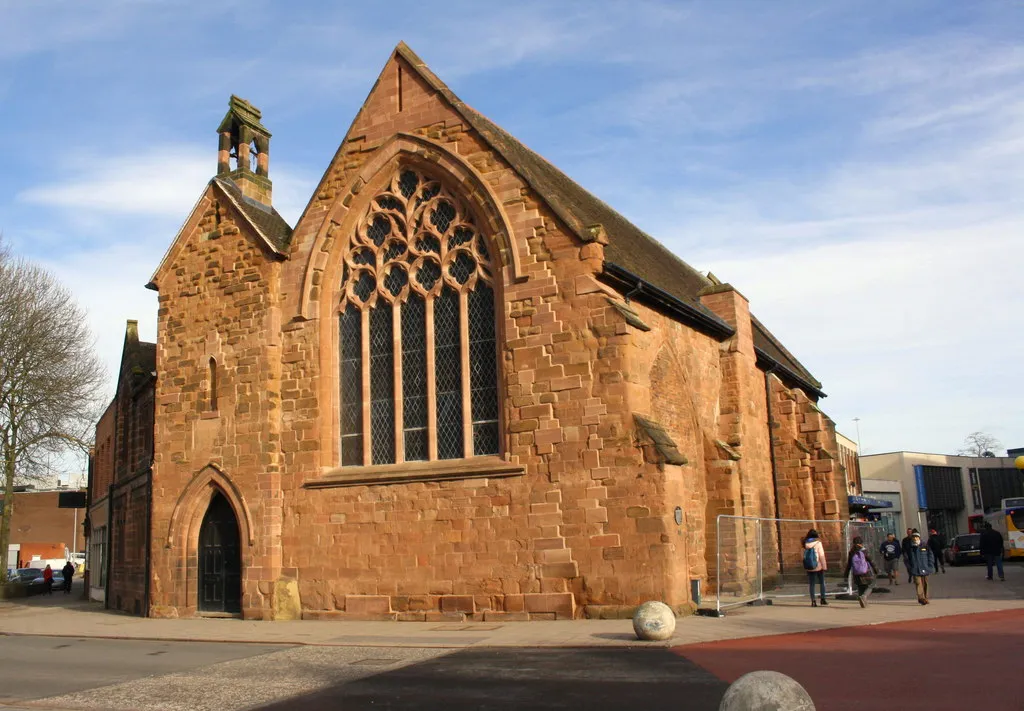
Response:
column 588, row 217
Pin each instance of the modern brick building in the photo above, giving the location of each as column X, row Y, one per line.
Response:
column 41, row 527
column 461, row 385
column 119, row 483
column 945, row 491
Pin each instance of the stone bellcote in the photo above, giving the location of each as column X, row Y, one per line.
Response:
column 244, row 150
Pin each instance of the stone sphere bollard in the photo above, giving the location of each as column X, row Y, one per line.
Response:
column 654, row 621
column 766, row 691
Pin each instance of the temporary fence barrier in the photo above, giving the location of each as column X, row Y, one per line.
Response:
column 758, row 560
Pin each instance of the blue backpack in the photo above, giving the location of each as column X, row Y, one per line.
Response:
column 810, row 558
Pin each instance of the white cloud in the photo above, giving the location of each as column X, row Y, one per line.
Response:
column 163, row 183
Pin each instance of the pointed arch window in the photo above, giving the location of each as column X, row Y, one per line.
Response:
column 418, row 361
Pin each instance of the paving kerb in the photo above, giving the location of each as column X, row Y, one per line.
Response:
column 962, row 591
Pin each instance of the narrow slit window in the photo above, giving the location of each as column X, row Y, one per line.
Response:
column 213, row 385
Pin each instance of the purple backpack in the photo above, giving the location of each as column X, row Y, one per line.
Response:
column 860, row 564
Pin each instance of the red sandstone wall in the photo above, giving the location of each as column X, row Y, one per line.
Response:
column 217, row 290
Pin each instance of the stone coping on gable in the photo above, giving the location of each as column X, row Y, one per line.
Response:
column 444, row 470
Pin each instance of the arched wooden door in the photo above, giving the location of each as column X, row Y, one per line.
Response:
column 220, row 559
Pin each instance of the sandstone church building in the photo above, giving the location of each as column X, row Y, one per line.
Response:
column 460, row 387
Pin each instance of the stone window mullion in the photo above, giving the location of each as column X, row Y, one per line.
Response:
column 399, row 405
column 467, row 406
column 367, row 411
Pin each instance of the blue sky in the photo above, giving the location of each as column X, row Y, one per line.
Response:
column 855, row 169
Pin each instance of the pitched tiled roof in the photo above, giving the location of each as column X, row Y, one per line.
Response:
column 264, row 218
column 770, row 346
column 628, row 246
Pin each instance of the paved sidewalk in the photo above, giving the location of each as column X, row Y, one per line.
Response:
column 961, row 591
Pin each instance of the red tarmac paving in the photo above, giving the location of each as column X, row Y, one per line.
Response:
column 947, row 663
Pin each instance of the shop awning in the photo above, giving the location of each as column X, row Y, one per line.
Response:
column 869, row 502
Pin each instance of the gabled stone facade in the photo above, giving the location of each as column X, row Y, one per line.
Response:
column 337, row 463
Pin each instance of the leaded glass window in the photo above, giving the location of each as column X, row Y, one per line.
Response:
column 417, row 287
column 448, row 375
column 414, row 377
column 483, row 376
column 351, row 386
column 382, row 386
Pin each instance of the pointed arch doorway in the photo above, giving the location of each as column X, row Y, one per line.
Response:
column 220, row 559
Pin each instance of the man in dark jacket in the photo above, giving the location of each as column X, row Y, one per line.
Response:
column 991, row 545
column 937, row 544
column 69, row 572
column 891, row 554
column 922, row 564
column 905, row 545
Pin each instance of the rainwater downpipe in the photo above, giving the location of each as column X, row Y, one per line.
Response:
column 149, row 540
column 775, row 470
column 636, row 290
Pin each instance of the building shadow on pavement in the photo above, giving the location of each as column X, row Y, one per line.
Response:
column 516, row 678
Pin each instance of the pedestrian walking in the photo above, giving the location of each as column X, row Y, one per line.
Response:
column 905, row 546
column 48, row 580
column 891, row 555
column 991, row 545
column 937, row 544
column 69, row 572
column 863, row 568
column 815, row 565
column 922, row 564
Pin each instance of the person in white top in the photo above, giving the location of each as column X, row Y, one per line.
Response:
column 815, row 565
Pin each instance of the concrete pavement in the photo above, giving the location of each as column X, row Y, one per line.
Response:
column 960, row 591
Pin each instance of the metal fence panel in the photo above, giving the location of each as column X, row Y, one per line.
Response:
column 761, row 559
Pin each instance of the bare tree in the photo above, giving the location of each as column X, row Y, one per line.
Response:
column 979, row 444
column 50, row 377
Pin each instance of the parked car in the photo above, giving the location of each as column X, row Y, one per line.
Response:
column 965, row 548
column 32, row 579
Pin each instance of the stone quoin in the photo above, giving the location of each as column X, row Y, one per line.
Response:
column 460, row 387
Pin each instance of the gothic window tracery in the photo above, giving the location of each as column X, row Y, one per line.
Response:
column 418, row 361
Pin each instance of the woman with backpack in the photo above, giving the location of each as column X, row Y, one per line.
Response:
column 864, row 570
column 815, row 565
